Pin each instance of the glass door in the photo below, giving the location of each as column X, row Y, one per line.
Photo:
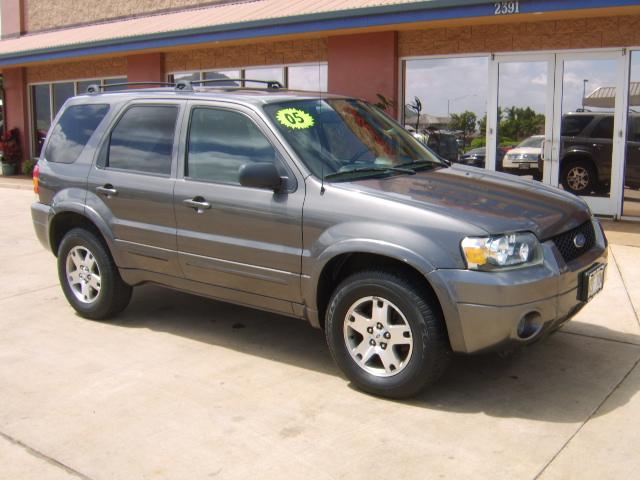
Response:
column 631, row 186
column 587, row 132
column 521, row 113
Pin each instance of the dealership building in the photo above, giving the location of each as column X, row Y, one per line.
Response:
column 559, row 76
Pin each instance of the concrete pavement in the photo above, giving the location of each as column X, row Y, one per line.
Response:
column 184, row 387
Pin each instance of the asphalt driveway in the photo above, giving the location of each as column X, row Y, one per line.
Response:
column 184, row 387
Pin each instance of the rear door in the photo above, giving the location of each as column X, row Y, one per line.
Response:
column 131, row 184
column 244, row 239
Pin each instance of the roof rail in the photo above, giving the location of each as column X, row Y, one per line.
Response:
column 95, row 88
column 269, row 83
column 185, row 85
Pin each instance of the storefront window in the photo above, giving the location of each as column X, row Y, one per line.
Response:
column 445, row 103
column 308, row 77
column 48, row 98
column 222, row 75
column 61, row 92
column 312, row 77
column 114, row 81
column 41, row 95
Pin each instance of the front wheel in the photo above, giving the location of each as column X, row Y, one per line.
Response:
column 386, row 334
column 89, row 277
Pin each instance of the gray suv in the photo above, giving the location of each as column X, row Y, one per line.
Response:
column 314, row 206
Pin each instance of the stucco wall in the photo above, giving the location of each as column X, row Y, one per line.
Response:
column 594, row 32
column 50, row 14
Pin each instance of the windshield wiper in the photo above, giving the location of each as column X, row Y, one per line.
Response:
column 399, row 168
column 421, row 164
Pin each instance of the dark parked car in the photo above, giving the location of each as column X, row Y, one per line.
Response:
column 476, row 157
column 587, row 148
column 444, row 144
column 316, row 207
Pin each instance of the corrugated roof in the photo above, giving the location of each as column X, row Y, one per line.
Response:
column 605, row 97
column 192, row 19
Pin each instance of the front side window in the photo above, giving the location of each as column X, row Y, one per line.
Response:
column 221, row 142
column 573, row 125
column 72, row 132
column 350, row 137
column 143, row 139
column 604, row 128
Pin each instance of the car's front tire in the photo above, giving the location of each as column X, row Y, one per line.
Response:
column 579, row 177
column 386, row 334
column 89, row 277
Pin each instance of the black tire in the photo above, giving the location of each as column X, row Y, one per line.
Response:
column 430, row 354
column 583, row 167
column 114, row 294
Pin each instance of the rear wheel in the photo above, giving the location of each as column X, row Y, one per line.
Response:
column 89, row 277
column 386, row 334
column 579, row 177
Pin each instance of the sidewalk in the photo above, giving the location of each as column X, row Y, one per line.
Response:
column 20, row 182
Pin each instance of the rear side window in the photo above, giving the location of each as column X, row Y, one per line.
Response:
column 604, row 128
column 221, row 141
column 143, row 139
column 572, row 126
column 72, row 132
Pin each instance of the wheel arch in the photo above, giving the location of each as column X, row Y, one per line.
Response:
column 66, row 219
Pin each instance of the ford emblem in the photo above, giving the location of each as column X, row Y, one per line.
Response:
column 579, row 240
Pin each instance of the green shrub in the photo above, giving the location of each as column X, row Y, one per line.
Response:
column 27, row 166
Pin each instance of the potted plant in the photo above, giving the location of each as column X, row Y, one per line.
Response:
column 11, row 152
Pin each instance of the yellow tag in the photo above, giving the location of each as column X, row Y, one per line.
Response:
column 295, row 118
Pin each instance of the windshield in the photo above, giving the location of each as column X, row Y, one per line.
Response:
column 532, row 142
column 335, row 136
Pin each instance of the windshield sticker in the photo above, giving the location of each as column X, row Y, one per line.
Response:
column 294, row 118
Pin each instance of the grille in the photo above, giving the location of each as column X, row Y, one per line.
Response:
column 564, row 241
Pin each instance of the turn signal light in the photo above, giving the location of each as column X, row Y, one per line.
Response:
column 36, row 178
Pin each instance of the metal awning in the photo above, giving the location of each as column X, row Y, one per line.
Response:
column 605, row 97
column 255, row 19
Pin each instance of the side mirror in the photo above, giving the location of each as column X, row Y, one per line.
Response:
column 261, row 175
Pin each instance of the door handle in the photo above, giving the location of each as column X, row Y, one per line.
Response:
column 107, row 190
column 199, row 203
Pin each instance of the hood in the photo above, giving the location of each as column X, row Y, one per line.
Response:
column 495, row 202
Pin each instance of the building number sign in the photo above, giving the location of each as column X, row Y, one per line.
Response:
column 506, row 8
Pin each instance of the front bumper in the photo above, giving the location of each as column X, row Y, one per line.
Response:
column 483, row 310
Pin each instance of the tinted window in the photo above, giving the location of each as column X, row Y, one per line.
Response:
column 604, row 128
column 572, row 126
column 143, row 139
column 61, row 92
column 41, row 115
column 220, row 142
column 73, row 131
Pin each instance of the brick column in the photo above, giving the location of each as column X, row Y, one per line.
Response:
column 15, row 98
column 363, row 65
column 13, row 24
column 147, row 67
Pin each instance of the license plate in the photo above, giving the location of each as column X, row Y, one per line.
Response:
column 592, row 282
column 524, row 166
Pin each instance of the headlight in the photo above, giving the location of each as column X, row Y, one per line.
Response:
column 504, row 251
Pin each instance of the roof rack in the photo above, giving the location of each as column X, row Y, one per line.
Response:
column 185, row 85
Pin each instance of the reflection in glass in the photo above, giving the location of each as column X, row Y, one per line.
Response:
column 266, row 73
column 187, row 76
column 521, row 117
column 61, row 92
column 445, row 104
column 631, row 202
column 81, row 87
column 72, row 132
column 41, row 97
column 221, row 75
column 313, row 78
column 586, row 147
column 114, row 81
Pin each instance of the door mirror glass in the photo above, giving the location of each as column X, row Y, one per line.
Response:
column 261, row 175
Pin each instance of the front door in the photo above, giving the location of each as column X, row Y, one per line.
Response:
column 237, row 238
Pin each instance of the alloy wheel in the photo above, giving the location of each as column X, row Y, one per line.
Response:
column 83, row 274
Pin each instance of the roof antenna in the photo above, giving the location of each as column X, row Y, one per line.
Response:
column 322, row 189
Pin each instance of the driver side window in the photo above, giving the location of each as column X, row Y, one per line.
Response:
column 221, row 141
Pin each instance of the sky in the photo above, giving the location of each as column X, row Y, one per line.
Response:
column 463, row 83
